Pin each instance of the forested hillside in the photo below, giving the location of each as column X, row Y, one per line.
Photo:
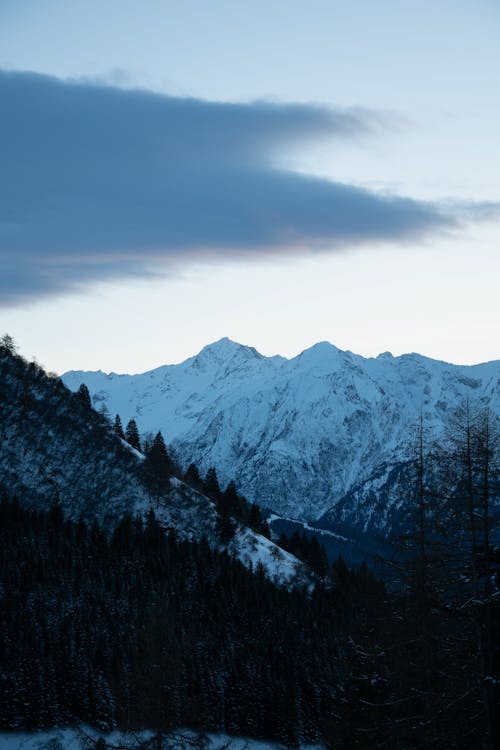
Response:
column 159, row 602
column 139, row 630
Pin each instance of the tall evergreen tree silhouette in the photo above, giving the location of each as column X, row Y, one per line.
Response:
column 158, row 467
column 119, row 428
column 83, row 396
column 132, row 435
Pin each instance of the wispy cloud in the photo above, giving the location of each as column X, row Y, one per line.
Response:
column 99, row 182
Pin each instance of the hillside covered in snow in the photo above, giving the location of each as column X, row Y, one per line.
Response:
column 56, row 448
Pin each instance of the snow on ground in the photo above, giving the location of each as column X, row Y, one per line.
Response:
column 280, row 566
column 194, row 516
column 77, row 738
column 191, row 514
column 307, row 527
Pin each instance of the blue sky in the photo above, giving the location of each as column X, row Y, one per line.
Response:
column 288, row 172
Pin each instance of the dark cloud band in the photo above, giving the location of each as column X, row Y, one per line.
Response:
column 98, row 182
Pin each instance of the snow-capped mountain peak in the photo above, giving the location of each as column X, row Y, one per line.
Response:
column 224, row 355
column 297, row 435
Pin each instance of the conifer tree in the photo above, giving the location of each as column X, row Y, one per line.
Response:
column 83, row 396
column 229, row 501
column 212, row 487
column 119, row 428
column 147, row 442
column 158, row 467
column 8, row 343
column 132, row 435
column 193, row 479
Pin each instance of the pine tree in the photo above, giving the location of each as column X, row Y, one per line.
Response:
column 229, row 500
column 193, row 479
column 83, row 396
column 119, row 428
column 132, row 435
column 8, row 343
column 147, row 442
column 212, row 486
column 256, row 522
column 158, row 467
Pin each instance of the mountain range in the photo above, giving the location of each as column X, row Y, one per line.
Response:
column 323, row 437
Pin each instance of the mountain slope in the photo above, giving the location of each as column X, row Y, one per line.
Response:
column 297, row 435
column 54, row 447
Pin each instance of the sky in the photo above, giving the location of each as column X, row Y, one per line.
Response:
column 280, row 172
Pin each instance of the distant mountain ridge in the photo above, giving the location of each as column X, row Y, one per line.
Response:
column 321, row 433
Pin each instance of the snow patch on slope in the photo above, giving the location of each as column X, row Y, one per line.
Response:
column 193, row 516
column 255, row 550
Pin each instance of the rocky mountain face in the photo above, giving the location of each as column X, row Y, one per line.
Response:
column 324, row 435
column 55, row 447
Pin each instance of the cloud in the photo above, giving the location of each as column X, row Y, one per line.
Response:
column 99, row 182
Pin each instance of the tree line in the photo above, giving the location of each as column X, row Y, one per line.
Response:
column 159, row 466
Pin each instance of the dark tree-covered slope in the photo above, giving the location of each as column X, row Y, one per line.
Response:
column 138, row 629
